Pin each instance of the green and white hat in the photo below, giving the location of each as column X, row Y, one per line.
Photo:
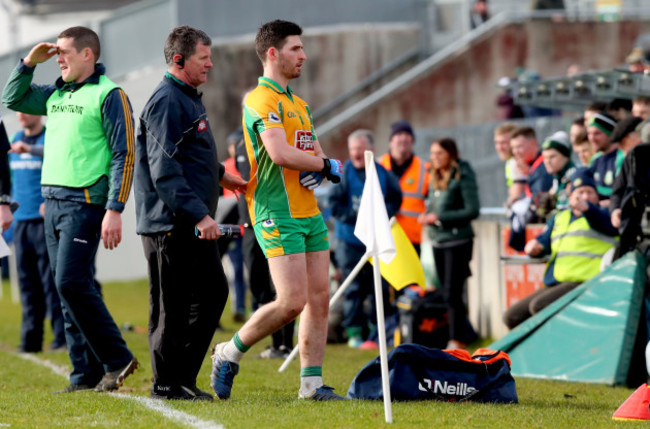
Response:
column 560, row 142
column 603, row 121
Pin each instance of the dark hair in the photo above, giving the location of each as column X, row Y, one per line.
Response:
column 620, row 103
column 580, row 120
column 182, row 41
column 527, row 132
column 82, row 37
column 596, row 106
column 274, row 34
column 449, row 145
column 581, row 138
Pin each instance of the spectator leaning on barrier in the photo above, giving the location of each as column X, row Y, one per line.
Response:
column 607, row 161
column 453, row 203
column 577, row 128
column 641, row 107
column 620, row 108
column 592, row 109
column 344, row 201
column 556, row 151
column 583, row 148
column 502, row 135
column 534, row 178
column 575, row 240
column 413, row 179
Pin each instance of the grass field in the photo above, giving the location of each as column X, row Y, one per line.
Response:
column 262, row 397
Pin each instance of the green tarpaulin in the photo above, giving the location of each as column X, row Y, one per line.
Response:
column 588, row 335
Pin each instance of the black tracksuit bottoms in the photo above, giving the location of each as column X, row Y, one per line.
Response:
column 187, row 294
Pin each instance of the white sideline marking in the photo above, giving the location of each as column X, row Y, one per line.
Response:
column 170, row 413
column 155, row 405
column 57, row 369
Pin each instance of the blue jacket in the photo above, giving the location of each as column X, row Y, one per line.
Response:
column 26, row 178
column 177, row 172
column 344, row 199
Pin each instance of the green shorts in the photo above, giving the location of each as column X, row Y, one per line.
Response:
column 279, row 237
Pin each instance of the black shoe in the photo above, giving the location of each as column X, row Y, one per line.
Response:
column 22, row 349
column 114, row 379
column 75, row 388
column 179, row 393
column 199, row 394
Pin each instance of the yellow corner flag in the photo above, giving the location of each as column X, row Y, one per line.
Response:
column 405, row 268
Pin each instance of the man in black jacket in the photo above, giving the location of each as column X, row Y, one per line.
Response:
column 630, row 195
column 6, row 217
column 177, row 178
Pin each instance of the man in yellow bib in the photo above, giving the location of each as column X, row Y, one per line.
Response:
column 287, row 163
column 86, row 180
column 575, row 239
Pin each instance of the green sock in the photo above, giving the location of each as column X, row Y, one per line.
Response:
column 353, row 331
column 311, row 378
column 240, row 346
column 311, row 371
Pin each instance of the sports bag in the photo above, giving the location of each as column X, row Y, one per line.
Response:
column 417, row 373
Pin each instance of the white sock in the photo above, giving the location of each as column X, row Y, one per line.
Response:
column 309, row 384
column 232, row 353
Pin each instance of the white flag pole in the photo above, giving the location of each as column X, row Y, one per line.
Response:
column 381, row 330
column 376, row 235
column 333, row 299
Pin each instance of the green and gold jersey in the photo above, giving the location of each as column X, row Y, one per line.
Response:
column 274, row 191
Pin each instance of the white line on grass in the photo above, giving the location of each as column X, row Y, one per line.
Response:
column 57, row 369
column 158, row 406
column 170, row 413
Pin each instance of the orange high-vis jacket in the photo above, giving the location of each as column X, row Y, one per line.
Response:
column 231, row 167
column 415, row 185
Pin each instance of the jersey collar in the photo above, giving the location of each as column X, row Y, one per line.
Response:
column 186, row 88
column 73, row 86
column 270, row 83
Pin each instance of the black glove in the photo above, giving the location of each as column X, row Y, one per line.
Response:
column 332, row 170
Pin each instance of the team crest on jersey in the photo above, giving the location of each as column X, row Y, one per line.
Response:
column 202, row 126
column 609, row 178
column 273, row 118
column 304, row 140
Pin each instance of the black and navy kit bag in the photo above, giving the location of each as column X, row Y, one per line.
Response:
column 419, row 373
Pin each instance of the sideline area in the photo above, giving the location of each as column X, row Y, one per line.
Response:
column 160, row 407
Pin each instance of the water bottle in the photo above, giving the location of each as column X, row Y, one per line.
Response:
column 231, row 230
column 227, row 230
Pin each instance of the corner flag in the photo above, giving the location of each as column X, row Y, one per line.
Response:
column 373, row 229
column 405, row 269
